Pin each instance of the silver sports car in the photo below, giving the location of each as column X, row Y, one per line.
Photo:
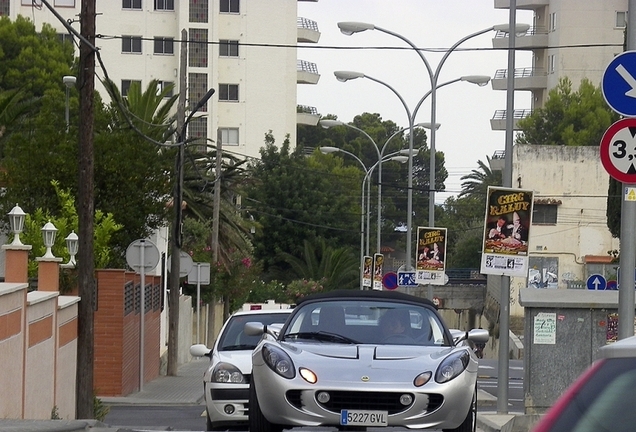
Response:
column 356, row 359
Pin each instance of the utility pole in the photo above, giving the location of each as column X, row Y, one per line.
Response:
column 177, row 199
column 216, row 211
column 86, row 211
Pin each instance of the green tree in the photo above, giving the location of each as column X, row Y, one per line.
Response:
column 572, row 118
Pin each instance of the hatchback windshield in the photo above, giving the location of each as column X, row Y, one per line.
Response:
column 233, row 337
column 366, row 322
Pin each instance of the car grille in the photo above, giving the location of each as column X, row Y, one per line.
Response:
column 365, row 401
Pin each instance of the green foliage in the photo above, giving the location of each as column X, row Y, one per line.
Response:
column 55, row 413
column 100, row 410
column 571, row 118
column 300, row 288
column 66, row 221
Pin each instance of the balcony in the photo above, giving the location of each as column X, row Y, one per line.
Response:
column 497, row 161
column 307, row 72
column 307, row 30
column 534, row 38
column 522, row 4
column 525, row 79
column 307, row 115
column 498, row 121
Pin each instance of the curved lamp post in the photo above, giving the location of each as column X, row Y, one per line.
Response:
column 349, row 28
column 327, row 123
column 480, row 80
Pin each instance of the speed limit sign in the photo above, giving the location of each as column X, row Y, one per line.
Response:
column 618, row 150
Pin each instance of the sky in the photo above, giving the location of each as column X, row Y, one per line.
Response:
column 463, row 110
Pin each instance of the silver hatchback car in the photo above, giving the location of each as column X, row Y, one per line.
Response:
column 226, row 382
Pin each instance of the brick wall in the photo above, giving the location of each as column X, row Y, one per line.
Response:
column 117, row 325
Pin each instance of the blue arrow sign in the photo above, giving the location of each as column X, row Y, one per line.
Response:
column 596, row 282
column 619, row 84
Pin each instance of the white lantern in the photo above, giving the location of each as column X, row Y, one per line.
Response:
column 16, row 220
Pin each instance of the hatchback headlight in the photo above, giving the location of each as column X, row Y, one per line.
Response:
column 452, row 366
column 278, row 361
column 227, row 373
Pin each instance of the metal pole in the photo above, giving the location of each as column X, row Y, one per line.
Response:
column 362, row 235
column 142, row 309
column 504, row 303
column 198, row 300
column 628, row 228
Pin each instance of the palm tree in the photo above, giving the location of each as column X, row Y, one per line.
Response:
column 13, row 108
column 475, row 184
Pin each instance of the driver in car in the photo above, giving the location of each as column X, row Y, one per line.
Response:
column 391, row 323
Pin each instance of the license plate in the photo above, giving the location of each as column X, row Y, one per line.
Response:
column 363, row 418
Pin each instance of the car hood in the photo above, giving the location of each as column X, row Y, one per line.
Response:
column 241, row 359
column 370, row 352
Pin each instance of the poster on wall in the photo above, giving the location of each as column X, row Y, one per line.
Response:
column 543, row 272
column 431, row 248
column 506, row 232
column 378, row 271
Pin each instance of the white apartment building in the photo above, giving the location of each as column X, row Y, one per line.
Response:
column 245, row 50
column 568, row 38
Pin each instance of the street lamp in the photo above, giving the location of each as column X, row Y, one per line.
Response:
column 480, row 80
column 48, row 235
column 69, row 81
column 72, row 242
column 16, row 222
column 327, row 123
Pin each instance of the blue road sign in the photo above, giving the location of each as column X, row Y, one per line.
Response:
column 389, row 280
column 619, row 84
column 406, row 279
column 596, row 282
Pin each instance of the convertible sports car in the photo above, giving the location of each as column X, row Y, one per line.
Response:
column 352, row 359
column 226, row 381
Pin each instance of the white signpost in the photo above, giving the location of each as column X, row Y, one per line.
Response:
column 200, row 274
column 142, row 255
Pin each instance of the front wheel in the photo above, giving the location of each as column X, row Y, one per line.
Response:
column 257, row 421
column 470, row 422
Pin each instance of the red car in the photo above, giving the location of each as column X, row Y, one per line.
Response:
column 602, row 398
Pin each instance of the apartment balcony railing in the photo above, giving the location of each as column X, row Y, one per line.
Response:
column 497, row 160
column 307, row 115
column 534, row 38
column 525, row 79
column 498, row 121
column 307, row 30
column 521, row 4
column 307, row 72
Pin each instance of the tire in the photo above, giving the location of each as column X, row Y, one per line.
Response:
column 470, row 422
column 257, row 421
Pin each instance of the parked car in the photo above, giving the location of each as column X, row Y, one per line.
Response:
column 602, row 398
column 352, row 359
column 226, row 381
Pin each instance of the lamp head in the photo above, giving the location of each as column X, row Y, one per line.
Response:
column 327, row 123
column 16, row 221
column 480, row 80
column 328, row 149
column 344, row 76
column 48, row 235
column 428, row 125
column 69, row 80
column 520, row 29
column 351, row 27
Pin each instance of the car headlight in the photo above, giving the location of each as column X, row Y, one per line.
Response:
column 278, row 361
column 452, row 366
column 227, row 373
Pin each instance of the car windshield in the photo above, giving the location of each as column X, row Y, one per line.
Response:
column 366, row 321
column 233, row 338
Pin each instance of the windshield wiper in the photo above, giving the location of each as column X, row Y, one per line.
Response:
column 322, row 336
column 238, row 347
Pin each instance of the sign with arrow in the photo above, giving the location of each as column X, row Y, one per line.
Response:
column 596, row 282
column 619, row 84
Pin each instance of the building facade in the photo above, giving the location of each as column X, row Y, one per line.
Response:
column 245, row 50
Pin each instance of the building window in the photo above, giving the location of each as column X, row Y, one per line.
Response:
column 164, row 45
column 228, row 48
column 228, row 92
column 230, row 6
column 125, row 86
column 198, row 48
column 66, row 38
column 131, row 4
column 544, row 214
column 229, row 136
column 165, row 85
column 553, row 22
column 198, row 11
column 551, row 63
column 621, row 19
column 4, row 8
column 167, row 5
column 197, row 88
column 131, row 44
column 64, row 3
column 198, row 132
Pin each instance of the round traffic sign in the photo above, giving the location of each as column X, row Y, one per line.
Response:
column 618, row 150
column 619, row 84
column 139, row 250
column 389, row 280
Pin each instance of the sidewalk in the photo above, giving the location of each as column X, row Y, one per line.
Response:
column 187, row 389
